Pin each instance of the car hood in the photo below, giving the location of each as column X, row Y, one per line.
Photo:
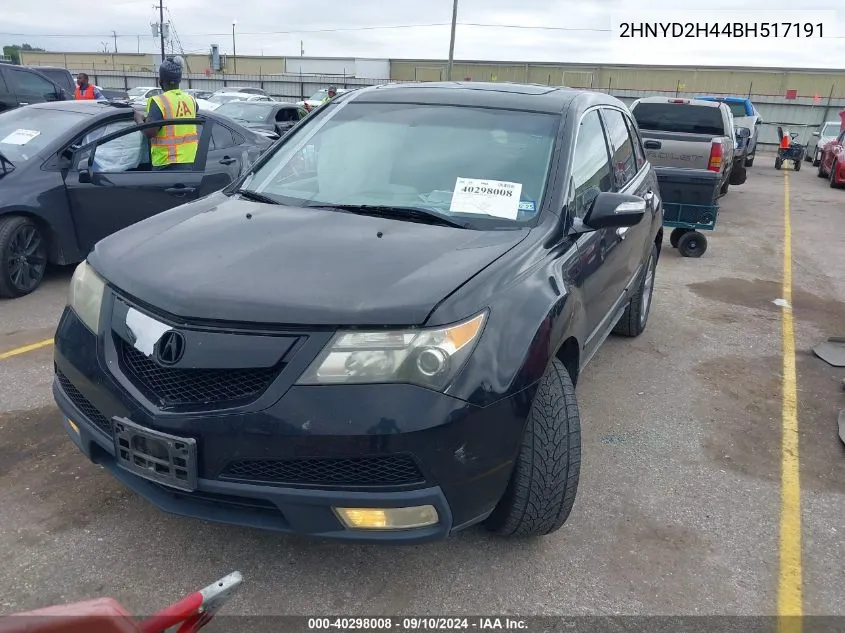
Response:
column 226, row 258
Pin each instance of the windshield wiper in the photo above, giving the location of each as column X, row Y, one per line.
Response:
column 249, row 194
column 397, row 212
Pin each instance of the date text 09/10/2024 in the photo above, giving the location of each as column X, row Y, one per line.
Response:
column 403, row 624
column 720, row 29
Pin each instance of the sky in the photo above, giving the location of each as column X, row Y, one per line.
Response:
column 582, row 31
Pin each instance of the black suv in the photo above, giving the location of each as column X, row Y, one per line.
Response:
column 21, row 86
column 376, row 333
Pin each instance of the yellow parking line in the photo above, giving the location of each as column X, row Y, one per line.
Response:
column 790, row 576
column 26, row 348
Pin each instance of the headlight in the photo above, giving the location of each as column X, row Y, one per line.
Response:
column 427, row 357
column 86, row 295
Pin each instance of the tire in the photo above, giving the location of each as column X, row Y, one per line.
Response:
column 693, row 244
column 749, row 161
column 778, row 162
column 675, row 235
column 723, row 190
column 797, row 165
column 544, row 481
column 821, row 173
column 816, row 159
column 832, row 176
column 635, row 318
column 23, row 256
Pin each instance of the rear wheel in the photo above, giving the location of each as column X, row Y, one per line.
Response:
column 749, row 160
column 821, row 173
column 23, row 256
column 797, row 165
column 542, row 488
column 723, row 191
column 675, row 236
column 833, row 167
column 635, row 317
column 778, row 162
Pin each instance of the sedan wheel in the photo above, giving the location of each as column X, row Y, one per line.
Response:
column 23, row 256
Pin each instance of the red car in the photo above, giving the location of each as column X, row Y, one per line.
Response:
column 832, row 163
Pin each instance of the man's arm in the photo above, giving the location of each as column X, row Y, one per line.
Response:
column 154, row 114
column 97, row 93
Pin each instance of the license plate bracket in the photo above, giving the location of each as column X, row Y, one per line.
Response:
column 165, row 459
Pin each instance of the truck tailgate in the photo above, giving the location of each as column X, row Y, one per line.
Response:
column 677, row 149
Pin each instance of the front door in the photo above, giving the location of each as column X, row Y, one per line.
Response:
column 603, row 266
column 111, row 185
column 630, row 176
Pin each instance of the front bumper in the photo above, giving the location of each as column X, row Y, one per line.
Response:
column 464, row 453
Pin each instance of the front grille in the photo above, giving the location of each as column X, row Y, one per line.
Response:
column 377, row 470
column 168, row 386
column 82, row 403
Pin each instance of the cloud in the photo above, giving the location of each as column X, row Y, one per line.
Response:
column 579, row 30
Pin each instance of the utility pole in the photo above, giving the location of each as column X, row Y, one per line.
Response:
column 139, row 44
column 161, row 27
column 452, row 40
column 114, row 34
column 301, row 48
column 234, row 50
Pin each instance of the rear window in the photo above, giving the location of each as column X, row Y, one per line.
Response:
column 737, row 109
column 679, row 117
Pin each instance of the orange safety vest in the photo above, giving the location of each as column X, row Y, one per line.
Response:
column 87, row 94
column 174, row 143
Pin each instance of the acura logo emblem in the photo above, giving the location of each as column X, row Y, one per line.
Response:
column 170, row 348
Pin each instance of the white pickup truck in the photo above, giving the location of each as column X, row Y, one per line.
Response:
column 692, row 146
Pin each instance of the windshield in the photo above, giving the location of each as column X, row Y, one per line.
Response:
column 137, row 92
column 26, row 131
column 482, row 167
column 830, row 129
column 679, row 117
column 243, row 111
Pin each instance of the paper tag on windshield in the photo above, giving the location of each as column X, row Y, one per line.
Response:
column 20, row 137
column 488, row 197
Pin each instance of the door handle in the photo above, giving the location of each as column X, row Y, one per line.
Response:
column 226, row 160
column 621, row 232
column 23, row 103
column 180, row 190
column 650, row 198
column 652, row 144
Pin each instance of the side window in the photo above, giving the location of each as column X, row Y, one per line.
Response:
column 302, row 113
column 590, row 164
column 27, row 83
column 639, row 152
column 624, row 163
column 222, row 137
column 287, row 114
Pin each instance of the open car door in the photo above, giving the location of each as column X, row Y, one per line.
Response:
column 111, row 183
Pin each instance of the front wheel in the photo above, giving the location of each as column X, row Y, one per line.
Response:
column 675, row 236
column 833, row 184
column 544, row 481
column 797, row 165
column 23, row 256
column 778, row 162
column 692, row 244
column 635, row 317
column 821, row 173
column 749, row 161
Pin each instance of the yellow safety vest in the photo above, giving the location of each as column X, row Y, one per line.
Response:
column 174, row 143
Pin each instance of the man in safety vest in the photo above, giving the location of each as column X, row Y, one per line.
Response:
column 85, row 91
column 331, row 94
column 172, row 147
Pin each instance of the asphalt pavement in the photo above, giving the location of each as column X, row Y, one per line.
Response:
column 679, row 504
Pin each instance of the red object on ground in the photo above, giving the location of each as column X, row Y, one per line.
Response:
column 103, row 615
column 106, row 615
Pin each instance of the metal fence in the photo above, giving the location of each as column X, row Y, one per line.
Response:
column 802, row 114
column 287, row 86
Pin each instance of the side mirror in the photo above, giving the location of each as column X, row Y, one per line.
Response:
column 816, row 133
column 84, row 168
column 614, row 210
column 743, row 132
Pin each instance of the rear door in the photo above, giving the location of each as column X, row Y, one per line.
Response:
column 30, row 87
column 111, row 183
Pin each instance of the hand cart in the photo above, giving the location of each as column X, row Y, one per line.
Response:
column 794, row 152
column 106, row 615
column 686, row 221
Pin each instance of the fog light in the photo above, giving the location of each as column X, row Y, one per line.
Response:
column 387, row 518
column 73, row 426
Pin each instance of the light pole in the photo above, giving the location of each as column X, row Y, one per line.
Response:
column 234, row 50
column 452, row 40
